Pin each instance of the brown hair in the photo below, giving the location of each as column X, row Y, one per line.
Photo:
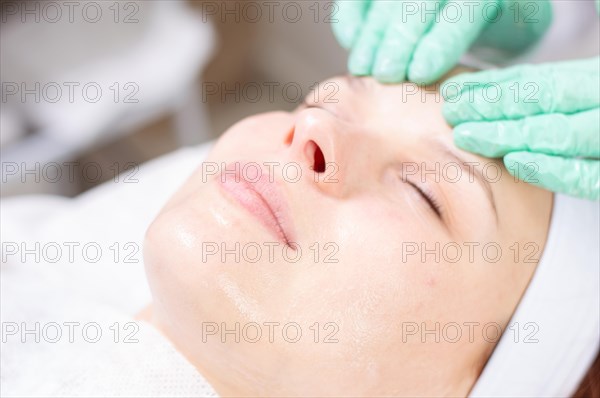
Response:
column 590, row 385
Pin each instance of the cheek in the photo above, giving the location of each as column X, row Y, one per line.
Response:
column 253, row 136
column 368, row 290
column 180, row 273
column 392, row 257
column 378, row 230
column 372, row 238
column 171, row 265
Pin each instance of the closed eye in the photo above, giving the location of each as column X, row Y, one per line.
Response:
column 429, row 199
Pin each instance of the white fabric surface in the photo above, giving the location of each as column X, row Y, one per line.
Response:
column 76, row 290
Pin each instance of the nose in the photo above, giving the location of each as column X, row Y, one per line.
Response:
column 319, row 144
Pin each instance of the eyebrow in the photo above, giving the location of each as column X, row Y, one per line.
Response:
column 463, row 163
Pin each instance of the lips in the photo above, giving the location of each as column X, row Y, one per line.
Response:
column 256, row 191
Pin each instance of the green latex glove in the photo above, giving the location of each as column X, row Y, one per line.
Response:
column 395, row 40
column 543, row 119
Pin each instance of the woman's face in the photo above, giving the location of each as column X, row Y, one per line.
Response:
column 369, row 256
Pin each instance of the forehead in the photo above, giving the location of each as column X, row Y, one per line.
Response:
column 389, row 109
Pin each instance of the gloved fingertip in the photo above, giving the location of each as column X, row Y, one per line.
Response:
column 520, row 157
column 450, row 111
column 421, row 73
column 387, row 71
column 525, row 167
column 464, row 138
column 359, row 63
column 345, row 35
column 429, row 62
column 473, row 137
column 512, row 164
column 554, row 173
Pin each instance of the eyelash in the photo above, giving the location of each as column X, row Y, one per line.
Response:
column 430, row 199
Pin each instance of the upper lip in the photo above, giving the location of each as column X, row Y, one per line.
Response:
column 263, row 192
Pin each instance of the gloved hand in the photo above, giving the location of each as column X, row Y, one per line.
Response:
column 422, row 40
column 543, row 119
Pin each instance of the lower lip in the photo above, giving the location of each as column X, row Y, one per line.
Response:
column 252, row 194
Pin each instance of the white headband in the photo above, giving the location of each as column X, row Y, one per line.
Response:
column 563, row 300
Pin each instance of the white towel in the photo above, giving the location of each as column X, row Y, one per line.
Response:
column 103, row 295
column 130, row 357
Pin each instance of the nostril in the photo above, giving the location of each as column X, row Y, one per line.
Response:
column 319, row 160
column 290, row 137
column 314, row 152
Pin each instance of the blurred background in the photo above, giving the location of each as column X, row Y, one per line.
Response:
column 96, row 88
